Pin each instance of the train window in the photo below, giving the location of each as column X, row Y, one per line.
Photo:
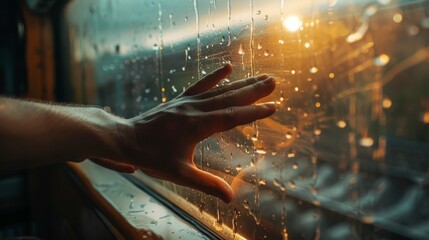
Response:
column 346, row 156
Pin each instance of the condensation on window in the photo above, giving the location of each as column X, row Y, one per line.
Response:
column 345, row 156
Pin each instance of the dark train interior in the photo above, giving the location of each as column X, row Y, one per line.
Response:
column 345, row 156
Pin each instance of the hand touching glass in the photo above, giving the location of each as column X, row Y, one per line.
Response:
column 161, row 142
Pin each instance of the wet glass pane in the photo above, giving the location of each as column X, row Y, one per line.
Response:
column 346, row 156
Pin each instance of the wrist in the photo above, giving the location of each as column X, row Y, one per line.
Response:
column 112, row 136
column 126, row 139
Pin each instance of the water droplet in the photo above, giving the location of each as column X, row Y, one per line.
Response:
column 397, row 18
column 387, row 103
column 314, row 70
column 284, row 234
column 92, row 9
column 266, row 53
column 238, row 167
column 282, row 97
column 258, row 12
column 296, row 89
column 262, row 181
column 359, row 33
column 366, row 142
column 246, row 204
column 259, row 46
column 261, row 151
column 313, row 160
column 291, row 184
column 281, row 41
column 288, row 135
column 164, row 99
column 223, row 39
column 241, row 50
column 317, row 104
column 266, row 17
column 331, row 75
column 291, row 154
column 218, row 225
column 172, row 23
column 203, row 72
column 254, row 137
column 252, row 163
column 276, row 182
column 295, row 166
column 307, row 45
column 381, row 60
column 317, row 131
column 138, row 99
column 341, row 124
column 186, row 18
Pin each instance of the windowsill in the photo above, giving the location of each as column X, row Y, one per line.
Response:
column 131, row 212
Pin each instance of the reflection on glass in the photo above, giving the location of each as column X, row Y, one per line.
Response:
column 345, row 157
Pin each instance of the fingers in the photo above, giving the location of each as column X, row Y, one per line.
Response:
column 116, row 166
column 207, row 183
column 209, row 81
column 239, row 97
column 226, row 119
column 232, row 86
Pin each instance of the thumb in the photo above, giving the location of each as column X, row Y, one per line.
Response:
column 207, row 183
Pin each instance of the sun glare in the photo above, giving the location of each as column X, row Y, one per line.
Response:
column 292, row 23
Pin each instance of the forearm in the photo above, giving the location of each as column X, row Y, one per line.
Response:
column 34, row 134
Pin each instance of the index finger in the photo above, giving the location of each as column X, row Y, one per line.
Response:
column 209, row 81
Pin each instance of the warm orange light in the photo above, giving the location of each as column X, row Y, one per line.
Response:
column 387, row 103
column 425, row 118
column 397, row 18
column 292, row 23
column 366, row 142
column 341, row 124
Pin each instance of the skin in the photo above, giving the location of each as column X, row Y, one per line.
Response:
column 161, row 142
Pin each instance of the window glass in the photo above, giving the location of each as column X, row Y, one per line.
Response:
column 346, row 155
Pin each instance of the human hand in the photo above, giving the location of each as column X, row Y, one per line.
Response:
column 163, row 142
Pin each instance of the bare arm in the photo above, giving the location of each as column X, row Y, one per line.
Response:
column 161, row 142
column 33, row 133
